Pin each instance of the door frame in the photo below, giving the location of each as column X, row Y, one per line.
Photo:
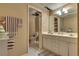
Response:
column 40, row 25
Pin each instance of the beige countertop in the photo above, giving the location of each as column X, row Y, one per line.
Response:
column 63, row 34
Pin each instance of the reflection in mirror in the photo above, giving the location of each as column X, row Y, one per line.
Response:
column 64, row 19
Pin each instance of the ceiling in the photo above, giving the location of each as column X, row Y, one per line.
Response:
column 54, row 6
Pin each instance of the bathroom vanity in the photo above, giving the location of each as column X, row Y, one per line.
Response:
column 61, row 37
column 64, row 44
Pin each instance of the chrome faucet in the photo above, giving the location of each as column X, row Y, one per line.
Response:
column 69, row 30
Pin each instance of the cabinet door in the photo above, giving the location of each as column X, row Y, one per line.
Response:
column 50, row 44
column 53, row 45
column 44, row 42
column 63, row 48
column 72, row 49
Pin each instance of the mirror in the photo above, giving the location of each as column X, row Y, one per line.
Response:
column 64, row 19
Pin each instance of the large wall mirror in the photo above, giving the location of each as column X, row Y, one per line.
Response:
column 64, row 19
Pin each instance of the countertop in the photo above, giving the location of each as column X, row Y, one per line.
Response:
column 64, row 34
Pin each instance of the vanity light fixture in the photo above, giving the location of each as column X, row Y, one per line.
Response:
column 58, row 12
column 64, row 10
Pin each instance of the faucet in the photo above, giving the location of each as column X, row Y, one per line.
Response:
column 69, row 30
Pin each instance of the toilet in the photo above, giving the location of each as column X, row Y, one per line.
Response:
column 34, row 38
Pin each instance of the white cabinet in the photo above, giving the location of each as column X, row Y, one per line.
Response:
column 46, row 43
column 73, row 49
column 60, row 45
column 53, row 46
column 63, row 48
column 51, row 43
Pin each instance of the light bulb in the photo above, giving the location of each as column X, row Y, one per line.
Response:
column 58, row 12
column 65, row 10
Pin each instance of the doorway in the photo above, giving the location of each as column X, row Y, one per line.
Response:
column 35, row 28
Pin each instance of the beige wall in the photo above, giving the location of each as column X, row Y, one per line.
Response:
column 17, row 10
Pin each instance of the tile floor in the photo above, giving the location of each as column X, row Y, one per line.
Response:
column 32, row 52
column 35, row 51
